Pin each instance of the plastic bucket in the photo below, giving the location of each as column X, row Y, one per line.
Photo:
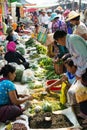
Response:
column 53, row 88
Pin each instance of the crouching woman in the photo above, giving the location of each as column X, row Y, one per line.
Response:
column 9, row 99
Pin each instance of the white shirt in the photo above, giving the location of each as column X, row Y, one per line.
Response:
column 80, row 29
column 44, row 19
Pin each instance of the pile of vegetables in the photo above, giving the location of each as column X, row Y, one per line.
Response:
column 19, row 74
column 45, row 61
column 30, row 42
column 41, row 49
column 34, row 84
column 21, row 50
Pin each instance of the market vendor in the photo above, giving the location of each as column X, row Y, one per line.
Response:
column 12, row 35
column 10, row 100
column 13, row 56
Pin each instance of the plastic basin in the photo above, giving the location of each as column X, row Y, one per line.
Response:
column 53, row 88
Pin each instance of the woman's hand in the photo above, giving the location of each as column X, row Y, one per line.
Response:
column 17, row 101
column 22, row 95
column 30, row 97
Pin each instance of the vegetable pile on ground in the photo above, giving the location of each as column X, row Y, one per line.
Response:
column 41, row 69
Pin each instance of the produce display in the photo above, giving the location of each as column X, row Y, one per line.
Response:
column 46, row 102
column 41, row 69
column 30, row 42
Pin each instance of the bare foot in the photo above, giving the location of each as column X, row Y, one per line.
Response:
column 85, row 121
column 82, row 115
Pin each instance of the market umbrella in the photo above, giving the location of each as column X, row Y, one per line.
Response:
column 23, row 2
column 10, row 1
column 19, row 1
column 18, row 4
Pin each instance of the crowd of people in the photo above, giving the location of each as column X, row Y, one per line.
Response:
column 69, row 45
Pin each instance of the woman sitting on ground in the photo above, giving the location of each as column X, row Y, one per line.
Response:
column 13, row 56
column 10, row 100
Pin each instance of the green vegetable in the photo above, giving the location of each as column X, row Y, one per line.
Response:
column 30, row 42
column 35, row 84
column 41, row 49
column 19, row 74
column 21, row 50
column 45, row 61
column 47, row 107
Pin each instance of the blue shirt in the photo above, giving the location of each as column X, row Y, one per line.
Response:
column 71, row 77
column 5, row 87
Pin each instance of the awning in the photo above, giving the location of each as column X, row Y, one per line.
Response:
column 43, row 6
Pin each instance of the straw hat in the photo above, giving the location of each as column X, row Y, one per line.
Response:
column 53, row 16
column 72, row 15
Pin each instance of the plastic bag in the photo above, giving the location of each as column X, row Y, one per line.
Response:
column 49, row 39
column 42, row 35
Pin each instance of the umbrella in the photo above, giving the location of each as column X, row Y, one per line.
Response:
column 18, row 4
column 19, row 1
column 23, row 2
column 10, row 1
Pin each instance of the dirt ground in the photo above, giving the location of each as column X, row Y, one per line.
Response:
column 49, row 120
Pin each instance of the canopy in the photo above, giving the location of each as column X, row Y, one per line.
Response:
column 43, row 6
column 10, row 1
column 19, row 1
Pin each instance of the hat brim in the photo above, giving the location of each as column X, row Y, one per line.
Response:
column 68, row 19
column 54, row 18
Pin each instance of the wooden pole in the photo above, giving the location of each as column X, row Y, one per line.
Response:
column 79, row 5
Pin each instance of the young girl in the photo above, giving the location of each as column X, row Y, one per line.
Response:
column 9, row 99
column 68, row 76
